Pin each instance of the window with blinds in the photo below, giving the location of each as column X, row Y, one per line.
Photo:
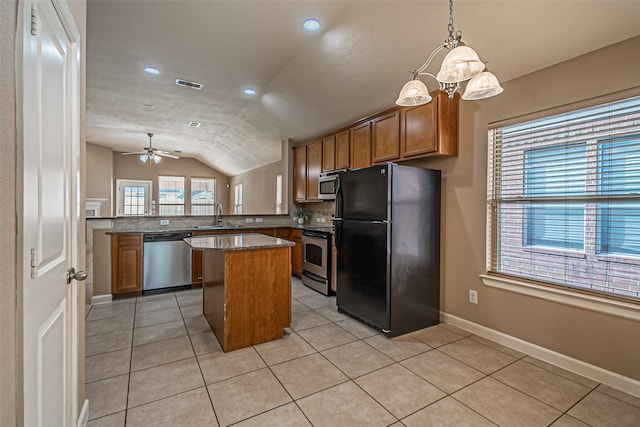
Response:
column 171, row 195
column 203, row 197
column 564, row 199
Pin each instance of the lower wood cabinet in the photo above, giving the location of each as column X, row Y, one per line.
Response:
column 126, row 263
column 296, row 254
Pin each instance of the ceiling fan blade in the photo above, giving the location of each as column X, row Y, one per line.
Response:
column 165, row 154
column 135, row 152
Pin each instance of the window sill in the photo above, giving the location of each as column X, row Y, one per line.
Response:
column 561, row 296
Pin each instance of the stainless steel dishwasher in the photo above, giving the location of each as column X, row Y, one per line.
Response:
column 167, row 262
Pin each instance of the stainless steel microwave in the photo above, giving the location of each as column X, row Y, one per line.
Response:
column 328, row 184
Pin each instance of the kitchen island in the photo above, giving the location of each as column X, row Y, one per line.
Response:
column 246, row 287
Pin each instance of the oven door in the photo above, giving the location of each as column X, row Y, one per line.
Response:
column 315, row 253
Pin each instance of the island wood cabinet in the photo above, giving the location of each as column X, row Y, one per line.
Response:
column 247, row 295
column 300, row 173
column 385, row 137
column 126, row 264
column 360, row 146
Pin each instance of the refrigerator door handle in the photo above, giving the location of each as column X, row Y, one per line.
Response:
column 339, row 201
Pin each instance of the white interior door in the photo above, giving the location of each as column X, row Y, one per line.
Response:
column 50, row 115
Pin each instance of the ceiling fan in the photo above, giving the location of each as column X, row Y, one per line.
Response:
column 151, row 154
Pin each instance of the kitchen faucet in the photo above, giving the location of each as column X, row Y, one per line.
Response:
column 218, row 213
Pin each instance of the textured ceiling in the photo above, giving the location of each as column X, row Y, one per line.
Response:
column 307, row 83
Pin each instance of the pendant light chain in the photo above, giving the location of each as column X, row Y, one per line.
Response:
column 450, row 26
column 452, row 41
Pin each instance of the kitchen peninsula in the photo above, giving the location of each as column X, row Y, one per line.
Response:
column 246, row 287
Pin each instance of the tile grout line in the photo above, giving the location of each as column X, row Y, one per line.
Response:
column 204, row 381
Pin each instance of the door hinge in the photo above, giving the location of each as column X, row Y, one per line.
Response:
column 224, row 309
column 34, row 264
column 34, row 20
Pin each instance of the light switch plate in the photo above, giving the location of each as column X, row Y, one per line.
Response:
column 164, row 222
column 258, row 219
column 248, row 220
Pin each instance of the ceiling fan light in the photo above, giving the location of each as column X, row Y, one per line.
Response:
column 413, row 93
column 157, row 159
column 484, row 85
column 144, row 158
column 460, row 64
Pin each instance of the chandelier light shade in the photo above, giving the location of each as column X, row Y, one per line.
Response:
column 484, row 85
column 413, row 93
column 461, row 64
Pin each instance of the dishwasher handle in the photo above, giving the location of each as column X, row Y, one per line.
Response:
column 165, row 237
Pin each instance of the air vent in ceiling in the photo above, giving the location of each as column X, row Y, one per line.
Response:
column 186, row 83
column 194, row 124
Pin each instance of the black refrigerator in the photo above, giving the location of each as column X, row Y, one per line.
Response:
column 387, row 227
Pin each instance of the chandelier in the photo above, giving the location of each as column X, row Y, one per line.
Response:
column 460, row 65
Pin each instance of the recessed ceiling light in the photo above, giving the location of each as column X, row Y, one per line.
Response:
column 193, row 124
column 149, row 106
column 311, row 25
column 249, row 91
column 151, row 71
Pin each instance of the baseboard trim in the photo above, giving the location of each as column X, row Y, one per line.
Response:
column 84, row 414
column 101, row 299
column 620, row 382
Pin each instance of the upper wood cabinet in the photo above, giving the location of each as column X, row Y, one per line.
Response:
column 430, row 129
column 314, row 167
column 385, row 137
column 393, row 135
column 300, row 173
column 342, row 150
column 360, row 146
column 328, row 153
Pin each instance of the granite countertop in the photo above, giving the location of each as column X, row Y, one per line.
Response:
column 239, row 228
column 236, row 242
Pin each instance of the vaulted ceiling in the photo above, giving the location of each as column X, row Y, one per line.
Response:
column 307, row 83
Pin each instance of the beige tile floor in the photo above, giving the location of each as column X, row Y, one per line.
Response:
column 153, row 361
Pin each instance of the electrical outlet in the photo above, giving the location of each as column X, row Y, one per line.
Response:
column 258, row 219
column 473, row 296
column 164, row 222
column 322, row 220
column 248, row 220
column 317, row 219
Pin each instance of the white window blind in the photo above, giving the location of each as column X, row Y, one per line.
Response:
column 202, row 196
column 564, row 199
column 171, row 195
